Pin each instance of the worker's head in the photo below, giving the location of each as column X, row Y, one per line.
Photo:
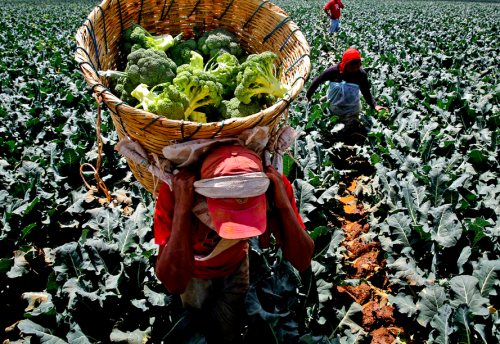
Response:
column 351, row 61
column 235, row 218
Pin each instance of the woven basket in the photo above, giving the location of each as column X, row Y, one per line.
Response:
column 260, row 26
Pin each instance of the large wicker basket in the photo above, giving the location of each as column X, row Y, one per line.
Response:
column 260, row 26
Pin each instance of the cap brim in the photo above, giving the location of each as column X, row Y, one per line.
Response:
column 234, row 220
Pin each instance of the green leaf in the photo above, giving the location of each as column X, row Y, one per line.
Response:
column 440, row 324
column 78, row 198
column 38, row 303
column 446, row 230
column 324, row 290
column 136, row 337
column 45, row 335
column 287, row 164
column 432, row 298
column 404, row 303
column 254, row 308
column 70, row 156
column 304, row 195
column 461, row 322
column 27, row 229
column 330, row 193
column 318, row 232
column 467, row 293
column 477, row 156
column 486, row 273
column 20, row 266
column 464, row 258
column 408, row 271
column 345, row 319
column 401, row 223
column 156, row 299
column 76, row 336
column 5, row 265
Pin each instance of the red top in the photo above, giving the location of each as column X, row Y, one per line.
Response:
column 334, row 7
column 205, row 239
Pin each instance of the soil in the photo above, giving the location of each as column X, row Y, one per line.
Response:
column 365, row 260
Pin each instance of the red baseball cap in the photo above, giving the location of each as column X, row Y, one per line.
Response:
column 235, row 218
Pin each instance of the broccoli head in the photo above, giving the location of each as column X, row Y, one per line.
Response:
column 150, row 67
column 201, row 88
column 140, row 36
column 219, row 41
column 256, row 76
column 181, row 53
column 225, row 71
column 235, row 108
column 169, row 103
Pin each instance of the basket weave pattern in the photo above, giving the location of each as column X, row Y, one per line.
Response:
column 260, row 26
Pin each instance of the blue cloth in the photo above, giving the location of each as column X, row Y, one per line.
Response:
column 334, row 25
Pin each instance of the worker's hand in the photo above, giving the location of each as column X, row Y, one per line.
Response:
column 277, row 187
column 182, row 183
column 378, row 108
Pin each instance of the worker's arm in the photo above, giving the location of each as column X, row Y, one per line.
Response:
column 327, row 12
column 341, row 5
column 325, row 76
column 175, row 263
column 296, row 244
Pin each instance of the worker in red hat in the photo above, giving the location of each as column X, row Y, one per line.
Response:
column 332, row 10
column 215, row 288
column 349, row 71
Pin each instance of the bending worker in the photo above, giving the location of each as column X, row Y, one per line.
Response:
column 215, row 289
column 346, row 75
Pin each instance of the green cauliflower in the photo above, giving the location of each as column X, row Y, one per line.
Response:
column 150, row 67
column 226, row 70
column 256, row 76
column 235, row 108
column 139, row 36
column 219, row 41
column 201, row 89
column 181, row 53
column 170, row 103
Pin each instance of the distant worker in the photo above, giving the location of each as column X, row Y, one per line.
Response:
column 332, row 9
column 346, row 80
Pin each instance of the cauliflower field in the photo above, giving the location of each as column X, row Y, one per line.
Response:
column 404, row 212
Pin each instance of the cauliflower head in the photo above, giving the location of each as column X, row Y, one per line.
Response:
column 201, row 89
column 150, row 67
column 235, row 108
column 170, row 103
column 256, row 76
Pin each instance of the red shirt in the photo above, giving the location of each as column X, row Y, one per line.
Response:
column 334, row 7
column 204, row 238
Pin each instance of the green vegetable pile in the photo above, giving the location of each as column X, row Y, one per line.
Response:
column 168, row 77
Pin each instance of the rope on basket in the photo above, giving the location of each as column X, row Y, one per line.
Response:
column 120, row 117
column 120, row 11
column 286, row 41
column 88, row 55
column 140, row 13
column 223, row 14
column 91, row 66
column 162, row 18
column 194, row 9
column 284, row 21
column 100, row 183
column 92, row 36
column 148, row 125
column 257, row 10
column 300, row 58
column 260, row 120
column 220, row 129
column 105, row 32
column 184, row 139
column 288, row 102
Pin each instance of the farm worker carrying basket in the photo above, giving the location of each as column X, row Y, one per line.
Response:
column 346, row 80
column 205, row 216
